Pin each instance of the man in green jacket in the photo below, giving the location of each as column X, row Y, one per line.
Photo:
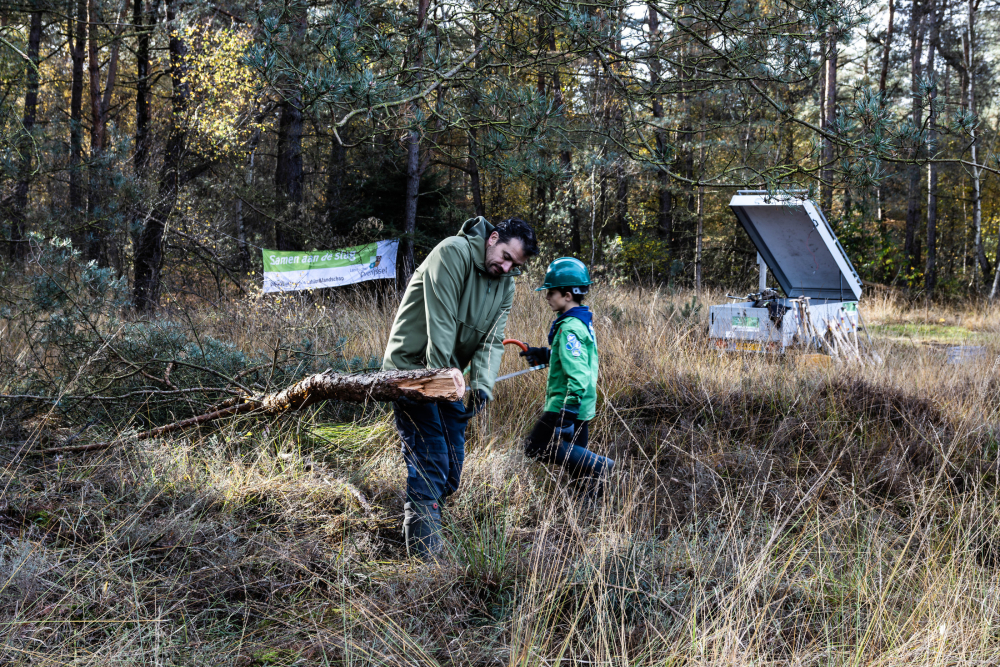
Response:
column 452, row 315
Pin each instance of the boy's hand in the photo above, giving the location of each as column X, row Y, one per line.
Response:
column 567, row 417
column 536, row 356
column 477, row 401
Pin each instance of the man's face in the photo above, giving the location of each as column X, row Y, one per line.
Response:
column 501, row 258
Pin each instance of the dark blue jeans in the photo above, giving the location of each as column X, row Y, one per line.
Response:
column 544, row 446
column 433, row 447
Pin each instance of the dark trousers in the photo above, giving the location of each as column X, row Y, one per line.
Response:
column 546, row 446
column 433, row 447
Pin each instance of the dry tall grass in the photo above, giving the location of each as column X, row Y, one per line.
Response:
column 761, row 513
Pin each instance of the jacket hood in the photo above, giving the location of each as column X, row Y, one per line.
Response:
column 476, row 231
column 581, row 313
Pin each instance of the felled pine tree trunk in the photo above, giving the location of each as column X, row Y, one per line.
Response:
column 425, row 385
column 431, row 384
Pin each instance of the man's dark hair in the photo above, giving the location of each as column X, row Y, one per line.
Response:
column 517, row 228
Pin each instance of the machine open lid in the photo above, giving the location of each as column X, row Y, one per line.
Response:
column 798, row 245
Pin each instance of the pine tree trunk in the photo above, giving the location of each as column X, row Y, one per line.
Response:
column 288, row 163
column 910, row 242
column 149, row 247
column 883, row 102
column 78, row 232
column 413, row 151
column 101, row 245
column 335, row 167
column 425, row 385
column 473, row 167
column 930, row 268
column 288, row 170
column 144, row 20
column 977, row 193
column 17, row 246
column 94, row 248
column 410, row 203
column 665, row 199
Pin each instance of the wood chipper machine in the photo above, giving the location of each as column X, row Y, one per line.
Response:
column 819, row 288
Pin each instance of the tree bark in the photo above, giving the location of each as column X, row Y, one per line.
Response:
column 930, row 268
column 94, row 250
column 149, row 248
column 426, row 385
column 288, row 170
column 910, row 242
column 473, row 166
column 100, row 103
column 17, row 246
column 883, row 102
column 413, row 149
column 144, row 20
column 701, row 220
column 76, row 195
column 829, row 119
column 886, row 52
column 336, row 166
column 288, row 165
column 242, row 218
column 996, row 278
column 566, row 161
column 977, row 194
column 665, row 199
column 621, row 199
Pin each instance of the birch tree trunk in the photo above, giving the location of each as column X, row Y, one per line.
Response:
column 829, row 119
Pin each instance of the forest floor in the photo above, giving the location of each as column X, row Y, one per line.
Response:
column 762, row 512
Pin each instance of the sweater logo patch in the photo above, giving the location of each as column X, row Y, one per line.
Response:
column 573, row 345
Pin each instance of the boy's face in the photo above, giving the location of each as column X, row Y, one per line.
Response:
column 558, row 301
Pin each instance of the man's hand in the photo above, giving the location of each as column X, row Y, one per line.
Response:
column 477, row 401
column 536, row 356
column 567, row 417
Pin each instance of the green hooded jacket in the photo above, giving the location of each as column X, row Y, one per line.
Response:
column 453, row 314
column 573, row 369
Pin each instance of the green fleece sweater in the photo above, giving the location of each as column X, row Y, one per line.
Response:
column 453, row 314
column 573, row 369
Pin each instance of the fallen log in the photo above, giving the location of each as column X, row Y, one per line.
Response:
column 424, row 385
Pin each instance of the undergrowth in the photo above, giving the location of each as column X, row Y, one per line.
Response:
column 761, row 512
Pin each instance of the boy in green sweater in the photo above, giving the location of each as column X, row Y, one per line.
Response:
column 561, row 434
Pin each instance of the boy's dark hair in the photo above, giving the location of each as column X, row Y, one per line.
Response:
column 517, row 228
column 577, row 293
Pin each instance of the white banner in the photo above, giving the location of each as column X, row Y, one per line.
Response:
column 293, row 271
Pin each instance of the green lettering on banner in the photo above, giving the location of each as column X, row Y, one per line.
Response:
column 746, row 322
column 276, row 261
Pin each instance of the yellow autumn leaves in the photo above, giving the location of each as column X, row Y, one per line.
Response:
column 222, row 90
